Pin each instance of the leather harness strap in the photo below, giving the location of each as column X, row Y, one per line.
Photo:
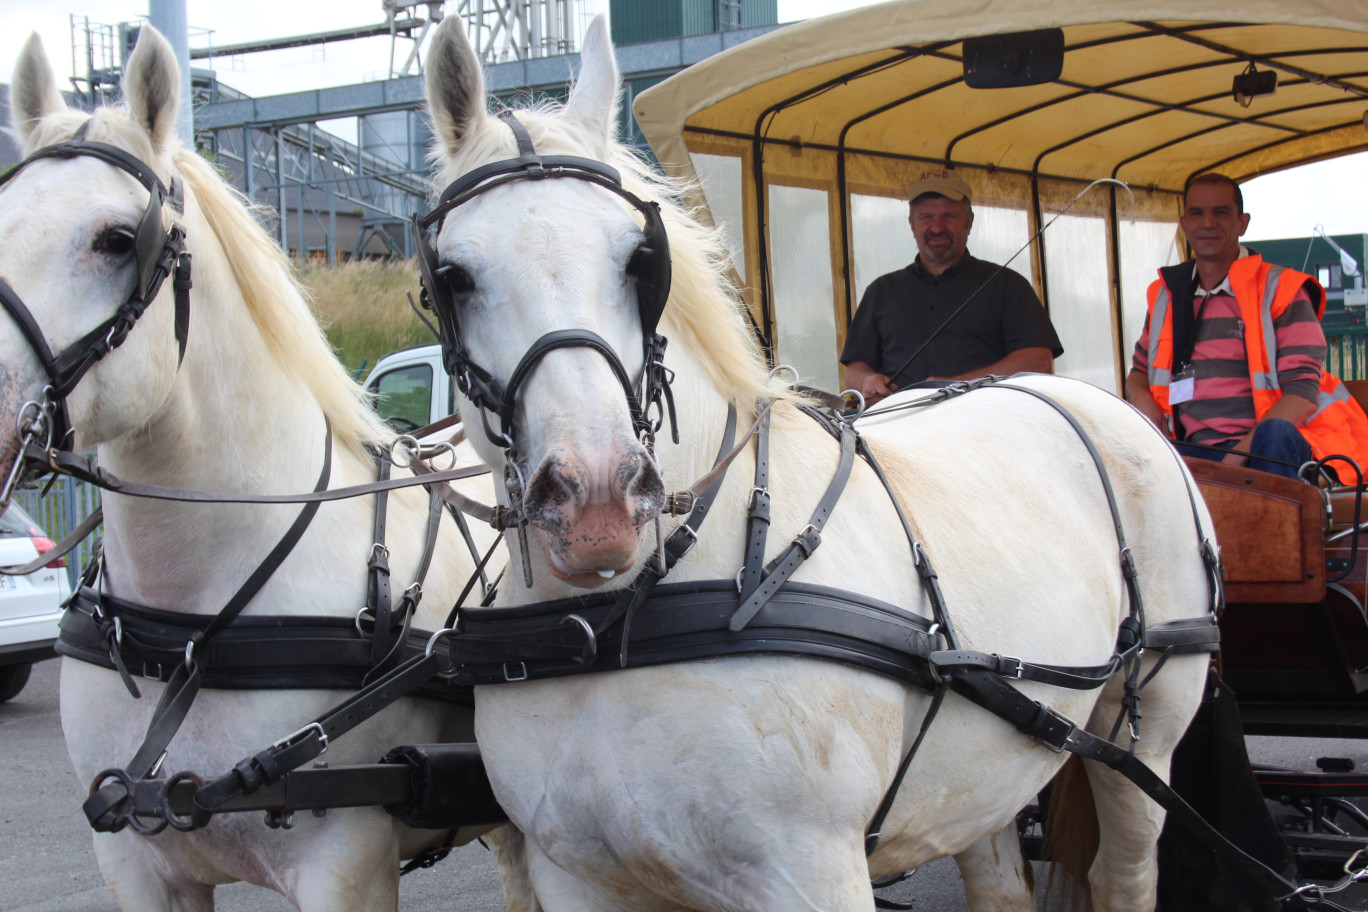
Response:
column 806, row 541
column 186, row 680
column 83, row 469
column 757, row 514
column 378, row 571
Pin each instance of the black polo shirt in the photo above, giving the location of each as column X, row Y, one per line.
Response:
column 902, row 309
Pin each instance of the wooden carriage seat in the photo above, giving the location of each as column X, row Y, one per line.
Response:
column 1270, row 532
column 1284, row 635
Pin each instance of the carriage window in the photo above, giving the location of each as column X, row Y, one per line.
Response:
column 720, row 176
column 1145, row 247
column 880, row 238
column 997, row 236
column 404, row 396
column 1076, row 266
column 800, row 239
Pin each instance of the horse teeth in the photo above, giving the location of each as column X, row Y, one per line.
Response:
column 606, row 574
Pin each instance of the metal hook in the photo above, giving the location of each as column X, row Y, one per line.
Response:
column 590, row 651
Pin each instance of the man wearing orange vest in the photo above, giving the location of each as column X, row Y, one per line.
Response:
column 1230, row 361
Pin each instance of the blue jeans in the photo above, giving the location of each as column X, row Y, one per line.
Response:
column 1274, row 439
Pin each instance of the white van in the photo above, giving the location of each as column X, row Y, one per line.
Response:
column 412, row 387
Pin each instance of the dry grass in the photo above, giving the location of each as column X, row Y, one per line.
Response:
column 364, row 309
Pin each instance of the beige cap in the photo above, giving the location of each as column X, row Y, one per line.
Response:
column 939, row 180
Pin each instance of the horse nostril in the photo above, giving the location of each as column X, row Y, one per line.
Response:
column 647, row 492
column 554, row 487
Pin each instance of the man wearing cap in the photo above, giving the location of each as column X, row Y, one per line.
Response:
column 949, row 315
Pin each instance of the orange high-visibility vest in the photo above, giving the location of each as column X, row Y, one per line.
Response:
column 1263, row 291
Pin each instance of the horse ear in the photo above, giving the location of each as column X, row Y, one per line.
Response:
column 151, row 85
column 33, row 93
column 594, row 100
column 455, row 86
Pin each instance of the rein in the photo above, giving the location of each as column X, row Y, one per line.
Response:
column 159, row 253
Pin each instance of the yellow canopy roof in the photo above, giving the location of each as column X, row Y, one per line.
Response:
column 1145, row 92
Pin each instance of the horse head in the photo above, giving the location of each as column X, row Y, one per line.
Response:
column 547, row 286
column 88, row 234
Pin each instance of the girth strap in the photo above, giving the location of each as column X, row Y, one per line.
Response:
column 257, row 652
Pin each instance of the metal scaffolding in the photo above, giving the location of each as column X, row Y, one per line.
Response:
column 326, row 196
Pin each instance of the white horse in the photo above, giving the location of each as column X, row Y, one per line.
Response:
column 747, row 782
column 244, row 412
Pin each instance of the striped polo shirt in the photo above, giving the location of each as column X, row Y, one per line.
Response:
column 1222, row 406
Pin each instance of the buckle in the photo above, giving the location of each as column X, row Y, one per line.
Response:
column 298, row 734
column 1008, row 666
column 693, row 540
column 753, row 499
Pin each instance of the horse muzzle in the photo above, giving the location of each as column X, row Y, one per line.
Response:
column 588, row 510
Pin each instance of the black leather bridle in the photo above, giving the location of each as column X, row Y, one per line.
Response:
column 650, row 266
column 159, row 251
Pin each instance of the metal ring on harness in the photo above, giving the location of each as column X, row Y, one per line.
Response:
column 128, row 818
column 197, row 818
column 858, row 410
column 39, row 420
column 432, row 646
column 407, row 442
column 446, row 446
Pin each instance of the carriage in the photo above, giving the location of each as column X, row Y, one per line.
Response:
column 706, row 791
column 803, row 141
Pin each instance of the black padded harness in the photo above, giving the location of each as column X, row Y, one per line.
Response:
column 158, row 253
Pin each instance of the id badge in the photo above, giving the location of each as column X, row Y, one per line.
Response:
column 1183, row 386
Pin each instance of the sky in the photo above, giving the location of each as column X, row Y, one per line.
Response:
column 1286, row 204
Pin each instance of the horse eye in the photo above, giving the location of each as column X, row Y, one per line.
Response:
column 458, row 280
column 116, row 241
column 637, row 265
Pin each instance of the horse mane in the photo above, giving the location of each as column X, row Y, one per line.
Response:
column 704, row 314
column 278, row 305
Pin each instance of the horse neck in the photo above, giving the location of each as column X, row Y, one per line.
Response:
column 235, row 420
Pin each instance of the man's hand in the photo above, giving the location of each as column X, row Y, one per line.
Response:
column 876, row 387
column 871, row 384
column 1138, row 395
column 1240, row 458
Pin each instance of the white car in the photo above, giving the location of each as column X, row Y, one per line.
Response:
column 30, row 606
column 412, row 388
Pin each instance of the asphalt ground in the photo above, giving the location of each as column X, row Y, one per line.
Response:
column 47, row 864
